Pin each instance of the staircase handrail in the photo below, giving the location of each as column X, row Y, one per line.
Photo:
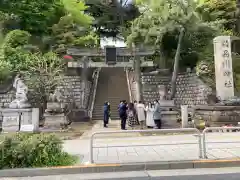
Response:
column 95, row 84
column 129, row 85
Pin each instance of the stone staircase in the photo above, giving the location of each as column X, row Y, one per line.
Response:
column 112, row 87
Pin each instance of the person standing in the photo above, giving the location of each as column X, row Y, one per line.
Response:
column 157, row 114
column 132, row 116
column 149, row 120
column 141, row 113
column 123, row 114
column 105, row 114
column 135, row 106
column 109, row 112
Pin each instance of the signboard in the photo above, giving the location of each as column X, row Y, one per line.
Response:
column 129, row 64
column 223, row 67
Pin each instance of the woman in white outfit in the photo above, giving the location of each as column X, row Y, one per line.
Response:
column 149, row 121
column 141, row 114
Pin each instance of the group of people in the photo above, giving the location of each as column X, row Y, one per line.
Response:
column 135, row 114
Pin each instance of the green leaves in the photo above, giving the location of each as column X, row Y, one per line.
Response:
column 218, row 10
column 23, row 150
column 34, row 16
column 163, row 16
column 75, row 9
column 16, row 38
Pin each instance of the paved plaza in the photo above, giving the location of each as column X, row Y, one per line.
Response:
column 128, row 147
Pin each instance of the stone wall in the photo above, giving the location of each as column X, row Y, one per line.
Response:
column 6, row 98
column 190, row 89
column 150, row 84
column 71, row 87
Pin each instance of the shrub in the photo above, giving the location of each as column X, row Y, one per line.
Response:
column 16, row 38
column 23, row 150
column 5, row 70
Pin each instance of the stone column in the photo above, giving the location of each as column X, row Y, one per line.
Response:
column 184, row 116
column 162, row 89
column 35, row 119
column 223, row 67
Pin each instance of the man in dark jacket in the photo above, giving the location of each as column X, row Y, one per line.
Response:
column 105, row 114
column 122, row 108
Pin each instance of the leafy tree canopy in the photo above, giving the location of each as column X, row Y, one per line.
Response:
column 111, row 15
column 221, row 10
column 33, row 16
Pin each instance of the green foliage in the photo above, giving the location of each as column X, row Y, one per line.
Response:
column 18, row 59
column 12, row 49
column 75, row 9
column 33, row 16
column 163, row 17
column 33, row 150
column 111, row 17
column 44, row 73
column 219, row 10
column 5, row 70
column 68, row 33
column 16, row 38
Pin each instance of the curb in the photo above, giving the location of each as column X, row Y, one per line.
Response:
column 100, row 168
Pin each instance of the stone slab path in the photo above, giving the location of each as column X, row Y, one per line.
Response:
column 134, row 147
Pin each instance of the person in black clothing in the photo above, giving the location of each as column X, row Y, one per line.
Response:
column 109, row 111
column 105, row 114
column 123, row 114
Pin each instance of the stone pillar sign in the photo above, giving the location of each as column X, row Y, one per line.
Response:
column 223, row 67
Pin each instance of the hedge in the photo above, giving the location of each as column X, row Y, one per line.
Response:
column 24, row 150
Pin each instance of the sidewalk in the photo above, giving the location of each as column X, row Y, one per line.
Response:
column 232, row 173
column 121, row 148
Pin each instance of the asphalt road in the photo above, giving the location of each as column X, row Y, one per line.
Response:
column 185, row 174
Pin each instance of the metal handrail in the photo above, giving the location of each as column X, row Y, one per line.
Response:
column 210, row 129
column 95, row 84
column 151, row 130
column 129, row 86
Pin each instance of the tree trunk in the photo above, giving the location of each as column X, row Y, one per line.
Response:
column 84, row 79
column 237, row 16
column 137, row 70
column 176, row 64
column 162, row 61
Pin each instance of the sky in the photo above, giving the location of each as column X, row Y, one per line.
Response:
column 111, row 42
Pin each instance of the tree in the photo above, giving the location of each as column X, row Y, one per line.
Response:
column 111, row 16
column 73, row 29
column 219, row 10
column 162, row 19
column 43, row 76
column 34, row 16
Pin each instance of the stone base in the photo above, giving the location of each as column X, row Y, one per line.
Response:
column 169, row 119
column 54, row 121
column 14, row 119
column 54, row 107
column 16, row 104
column 216, row 116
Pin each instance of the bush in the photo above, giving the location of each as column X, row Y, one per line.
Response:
column 5, row 70
column 33, row 150
column 16, row 38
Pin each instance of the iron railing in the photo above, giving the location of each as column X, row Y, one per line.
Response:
column 145, row 131
column 213, row 129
